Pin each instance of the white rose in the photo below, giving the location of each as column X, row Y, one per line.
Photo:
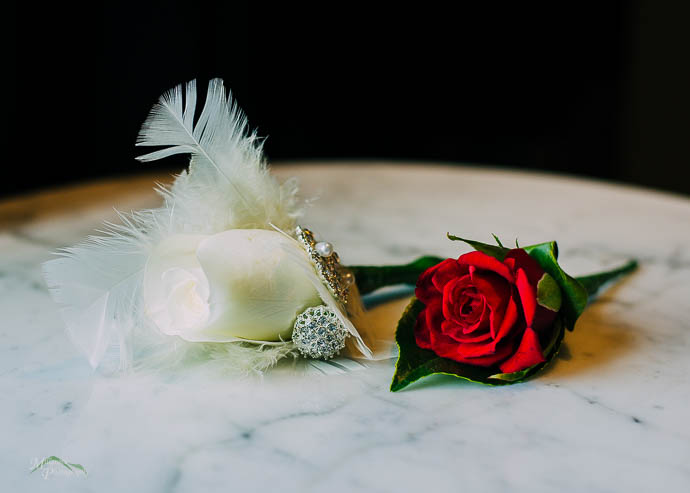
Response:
column 240, row 283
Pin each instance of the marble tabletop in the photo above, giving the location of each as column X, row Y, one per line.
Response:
column 612, row 413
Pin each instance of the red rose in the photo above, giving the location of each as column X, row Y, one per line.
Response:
column 483, row 311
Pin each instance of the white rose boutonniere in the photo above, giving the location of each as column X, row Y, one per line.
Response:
column 220, row 271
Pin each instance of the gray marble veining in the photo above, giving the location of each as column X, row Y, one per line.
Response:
column 611, row 414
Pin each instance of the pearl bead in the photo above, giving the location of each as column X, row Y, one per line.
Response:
column 324, row 248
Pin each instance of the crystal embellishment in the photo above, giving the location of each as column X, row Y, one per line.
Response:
column 318, row 333
column 327, row 265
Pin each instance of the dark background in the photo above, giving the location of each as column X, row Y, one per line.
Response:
column 595, row 89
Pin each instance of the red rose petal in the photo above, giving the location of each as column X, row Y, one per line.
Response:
column 529, row 353
column 452, row 292
column 496, row 292
column 421, row 331
column 425, row 291
column 447, row 271
column 483, row 261
column 543, row 319
column 445, row 347
column 474, row 323
column 428, row 321
column 522, row 260
column 495, row 289
column 477, row 322
column 510, row 318
column 528, row 296
column 434, row 315
column 456, row 332
column 466, row 350
column 485, row 316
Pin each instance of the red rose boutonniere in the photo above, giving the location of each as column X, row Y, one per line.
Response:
column 495, row 315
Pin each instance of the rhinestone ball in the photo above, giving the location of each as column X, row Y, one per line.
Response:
column 318, row 333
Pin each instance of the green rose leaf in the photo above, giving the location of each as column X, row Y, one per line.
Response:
column 415, row 363
column 574, row 299
column 548, row 293
column 497, row 252
column 594, row 282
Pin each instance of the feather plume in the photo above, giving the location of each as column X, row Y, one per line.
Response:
column 228, row 185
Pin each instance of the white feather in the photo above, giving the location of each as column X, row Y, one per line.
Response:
column 97, row 283
column 228, row 186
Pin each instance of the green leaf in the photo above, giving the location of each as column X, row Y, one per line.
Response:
column 498, row 241
column 594, row 282
column 498, row 252
column 548, row 293
column 574, row 294
column 372, row 277
column 415, row 363
column 550, row 246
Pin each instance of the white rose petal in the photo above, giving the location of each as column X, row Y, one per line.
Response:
column 187, row 298
column 239, row 283
column 172, row 274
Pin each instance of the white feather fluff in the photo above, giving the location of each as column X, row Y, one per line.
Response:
column 227, row 186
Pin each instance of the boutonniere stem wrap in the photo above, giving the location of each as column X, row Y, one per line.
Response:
column 494, row 316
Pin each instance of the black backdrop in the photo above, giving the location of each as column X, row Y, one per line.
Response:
column 596, row 89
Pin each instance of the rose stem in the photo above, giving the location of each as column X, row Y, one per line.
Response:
column 370, row 277
column 593, row 282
